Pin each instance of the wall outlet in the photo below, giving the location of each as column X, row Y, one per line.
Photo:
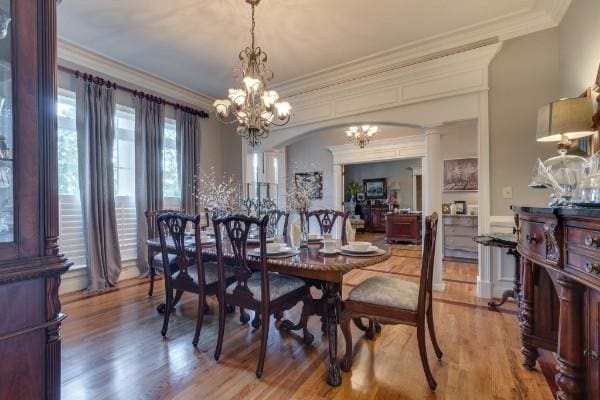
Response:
column 507, row 192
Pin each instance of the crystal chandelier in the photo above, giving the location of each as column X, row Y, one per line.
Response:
column 361, row 135
column 252, row 106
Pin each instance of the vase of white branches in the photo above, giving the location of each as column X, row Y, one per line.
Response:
column 298, row 199
column 220, row 196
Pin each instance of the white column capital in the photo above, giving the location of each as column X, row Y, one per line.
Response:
column 432, row 129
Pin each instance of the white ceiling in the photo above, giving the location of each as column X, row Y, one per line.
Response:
column 195, row 42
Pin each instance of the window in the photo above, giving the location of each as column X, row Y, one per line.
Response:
column 124, row 178
column 70, row 217
column 171, row 185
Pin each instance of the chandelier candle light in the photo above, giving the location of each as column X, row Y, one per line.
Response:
column 252, row 106
column 361, row 135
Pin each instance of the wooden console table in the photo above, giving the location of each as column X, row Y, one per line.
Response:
column 560, row 298
column 403, row 227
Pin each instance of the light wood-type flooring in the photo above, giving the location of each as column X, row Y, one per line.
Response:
column 112, row 349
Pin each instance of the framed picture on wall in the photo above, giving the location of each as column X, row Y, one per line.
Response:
column 460, row 175
column 375, row 188
column 313, row 180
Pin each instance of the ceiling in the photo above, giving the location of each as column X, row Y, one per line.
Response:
column 195, row 43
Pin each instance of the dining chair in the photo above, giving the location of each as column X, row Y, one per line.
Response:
column 388, row 300
column 155, row 260
column 206, row 225
column 190, row 272
column 275, row 217
column 255, row 287
column 326, row 220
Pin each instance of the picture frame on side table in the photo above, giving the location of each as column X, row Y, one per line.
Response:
column 461, row 207
column 445, row 208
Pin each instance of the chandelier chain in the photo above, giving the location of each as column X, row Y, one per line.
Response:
column 253, row 25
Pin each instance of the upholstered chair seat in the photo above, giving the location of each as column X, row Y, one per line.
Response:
column 386, row 291
column 279, row 285
column 211, row 274
column 157, row 261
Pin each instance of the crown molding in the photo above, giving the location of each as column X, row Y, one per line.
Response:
column 380, row 150
column 85, row 58
column 544, row 15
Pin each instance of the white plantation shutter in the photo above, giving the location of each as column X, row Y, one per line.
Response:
column 171, row 180
column 124, row 175
column 70, row 218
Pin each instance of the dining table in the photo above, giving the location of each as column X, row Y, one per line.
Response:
column 325, row 272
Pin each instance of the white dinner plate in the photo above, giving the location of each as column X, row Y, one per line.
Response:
column 347, row 248
column 378, row 252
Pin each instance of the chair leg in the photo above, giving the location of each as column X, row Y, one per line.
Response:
column 307, row 308
column 436, row 346
column 152, row 274
column 346, row 362
column 264, row 337
column 359, row 324
column 423, row 353
column 221, row 328
column 167, row 314
column 256, row 320
column 244, row 317
column 278, row 315
column 199, row 318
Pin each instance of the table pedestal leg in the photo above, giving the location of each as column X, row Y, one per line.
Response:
column 332, row 300
column 515, row 291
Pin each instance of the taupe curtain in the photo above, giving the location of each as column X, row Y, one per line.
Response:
column 149, row 133
column 95, row 137
column 188, row 148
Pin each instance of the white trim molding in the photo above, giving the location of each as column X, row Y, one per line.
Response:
column 69, row 53
column 544, row 14
column 380, row 150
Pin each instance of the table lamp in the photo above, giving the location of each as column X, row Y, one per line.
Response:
column 562, row 121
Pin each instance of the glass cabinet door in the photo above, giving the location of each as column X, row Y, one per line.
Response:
column 7, row 154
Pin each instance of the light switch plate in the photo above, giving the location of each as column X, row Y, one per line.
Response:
column 507, row 192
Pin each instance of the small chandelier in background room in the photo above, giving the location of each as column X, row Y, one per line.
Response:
column 252, row 105
column 361, row 135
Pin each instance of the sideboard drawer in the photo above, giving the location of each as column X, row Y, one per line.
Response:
column 585, row 238
column 532, row 238
column 463, row 220
column 584, row 266
column 460, row 231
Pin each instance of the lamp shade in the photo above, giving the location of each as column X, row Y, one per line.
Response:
column 571, row 118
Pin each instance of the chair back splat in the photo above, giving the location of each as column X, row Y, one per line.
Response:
column 326, row 220
column 236, row 229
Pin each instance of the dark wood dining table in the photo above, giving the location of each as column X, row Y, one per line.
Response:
column 324, row 272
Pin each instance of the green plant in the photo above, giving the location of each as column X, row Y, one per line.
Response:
column 352, row 188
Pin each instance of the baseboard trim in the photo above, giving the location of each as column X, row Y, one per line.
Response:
column 439, row 287
column 77, row 280
column 484, row 289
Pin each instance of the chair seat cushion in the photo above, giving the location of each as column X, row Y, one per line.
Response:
column 157, row 261
column 279, row 285
column 386, row 291
column 211, row 274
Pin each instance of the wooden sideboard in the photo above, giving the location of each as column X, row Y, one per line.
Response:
column 458, row 234
column 374, row 216
column 560, row 294
column 403, row 227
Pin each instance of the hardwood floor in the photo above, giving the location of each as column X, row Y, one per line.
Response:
column 112, row 349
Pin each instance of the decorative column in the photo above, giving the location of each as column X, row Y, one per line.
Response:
column 432, row 199
column 570, row 374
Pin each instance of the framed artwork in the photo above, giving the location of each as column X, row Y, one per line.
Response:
column 375, row 188
column 313, row 180
column 460, row 175
column 461, row 207
column 445, row 208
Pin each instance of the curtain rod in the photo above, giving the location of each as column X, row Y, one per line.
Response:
column 138, row 93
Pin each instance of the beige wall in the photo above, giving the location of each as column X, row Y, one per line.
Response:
column 523, row 77
column 579, row 47
column 459, row 140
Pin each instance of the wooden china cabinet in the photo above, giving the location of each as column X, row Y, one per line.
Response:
column 30, row 263
column 560, row 294
column 374, row 216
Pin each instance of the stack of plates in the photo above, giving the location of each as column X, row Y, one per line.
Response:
column 348, row 250
column 283, row 251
